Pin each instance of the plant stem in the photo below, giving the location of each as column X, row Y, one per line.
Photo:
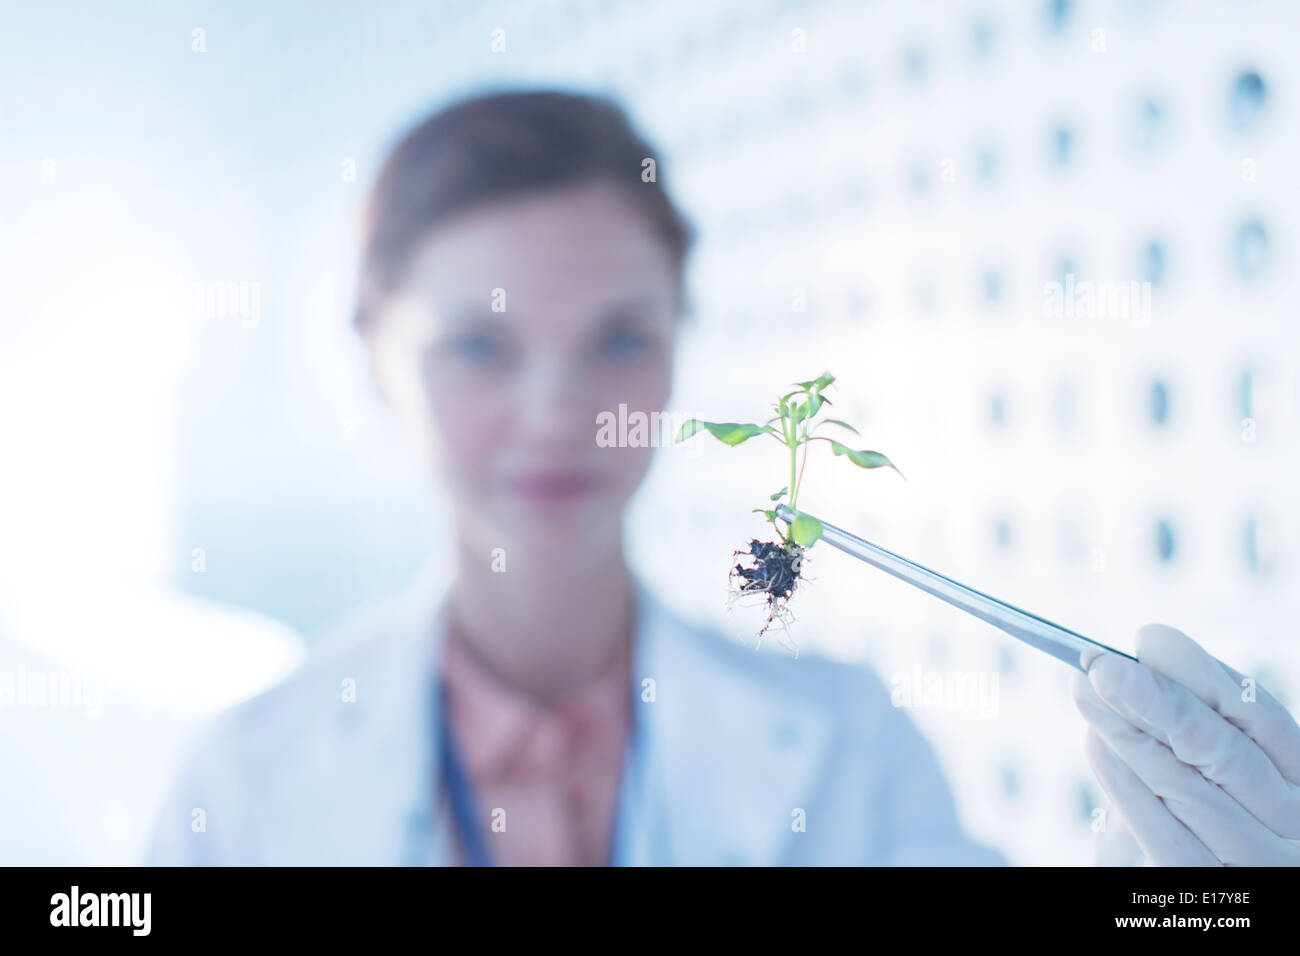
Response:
column 794, row 487
column 788, row 535
column 804, row 464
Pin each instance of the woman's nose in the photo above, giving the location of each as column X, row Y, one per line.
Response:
column 550, row 402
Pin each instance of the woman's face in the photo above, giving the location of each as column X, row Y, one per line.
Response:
column 521, row 322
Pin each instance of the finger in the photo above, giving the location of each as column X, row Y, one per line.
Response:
column 1219, row 822
column 1261, row 717
column 1201, row 737
column 1089, row 654
column 1116, row 845
column 1164, row 840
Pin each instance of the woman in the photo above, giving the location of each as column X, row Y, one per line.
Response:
column 522, row 274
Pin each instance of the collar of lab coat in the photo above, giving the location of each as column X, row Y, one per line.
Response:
column 721, row 756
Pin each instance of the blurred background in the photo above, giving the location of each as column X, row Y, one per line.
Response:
column 1047, row 246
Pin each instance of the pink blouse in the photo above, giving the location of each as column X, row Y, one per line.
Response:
column 548, row 775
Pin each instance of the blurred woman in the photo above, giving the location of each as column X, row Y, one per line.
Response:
column 523, row 273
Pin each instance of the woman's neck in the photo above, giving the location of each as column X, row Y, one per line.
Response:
column 549, row 621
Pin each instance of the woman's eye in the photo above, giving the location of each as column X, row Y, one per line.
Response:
column 476, row 348
column 625, row 343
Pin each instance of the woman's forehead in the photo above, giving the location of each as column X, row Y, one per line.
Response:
column 589, row 240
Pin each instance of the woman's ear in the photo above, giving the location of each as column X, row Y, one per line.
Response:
column 397, row 336
column 374, row 366
column 392, row 357
column 383, row 334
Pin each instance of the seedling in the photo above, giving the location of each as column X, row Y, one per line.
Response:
column 777, row 568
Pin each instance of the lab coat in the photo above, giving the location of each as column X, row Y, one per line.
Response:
column 737, row 758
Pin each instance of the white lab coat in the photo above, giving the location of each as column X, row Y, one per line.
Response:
column 741, row 758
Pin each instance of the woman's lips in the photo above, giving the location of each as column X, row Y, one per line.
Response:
column 552, row 486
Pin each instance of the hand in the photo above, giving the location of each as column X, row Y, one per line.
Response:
column 1203, row 767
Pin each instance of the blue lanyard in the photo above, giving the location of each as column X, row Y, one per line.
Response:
column 460, row 790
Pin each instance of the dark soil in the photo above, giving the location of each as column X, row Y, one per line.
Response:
column 774, row 570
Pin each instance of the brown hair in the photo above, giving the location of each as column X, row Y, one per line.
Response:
column 493, row 146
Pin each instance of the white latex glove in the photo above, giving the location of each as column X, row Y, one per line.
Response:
column 1200, row 777
column 1116, row 845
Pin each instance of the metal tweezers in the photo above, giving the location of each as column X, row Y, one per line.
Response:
column 1061, row 642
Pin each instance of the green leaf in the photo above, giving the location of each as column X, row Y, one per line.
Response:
column 806, row 530
column 808, row 409
column 864, row 459
column 820, row 382
column 776, row 496
column 729, row 433
column 771, row 515
column 836, row 421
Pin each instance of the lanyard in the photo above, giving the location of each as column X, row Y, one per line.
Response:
column 460, row 790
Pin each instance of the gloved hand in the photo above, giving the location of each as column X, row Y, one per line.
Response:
column 1116, row 845
column 1203, row 767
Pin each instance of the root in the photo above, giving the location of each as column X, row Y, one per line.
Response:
column 773, row 578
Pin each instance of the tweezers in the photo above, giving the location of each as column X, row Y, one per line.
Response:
column 1061, row 642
